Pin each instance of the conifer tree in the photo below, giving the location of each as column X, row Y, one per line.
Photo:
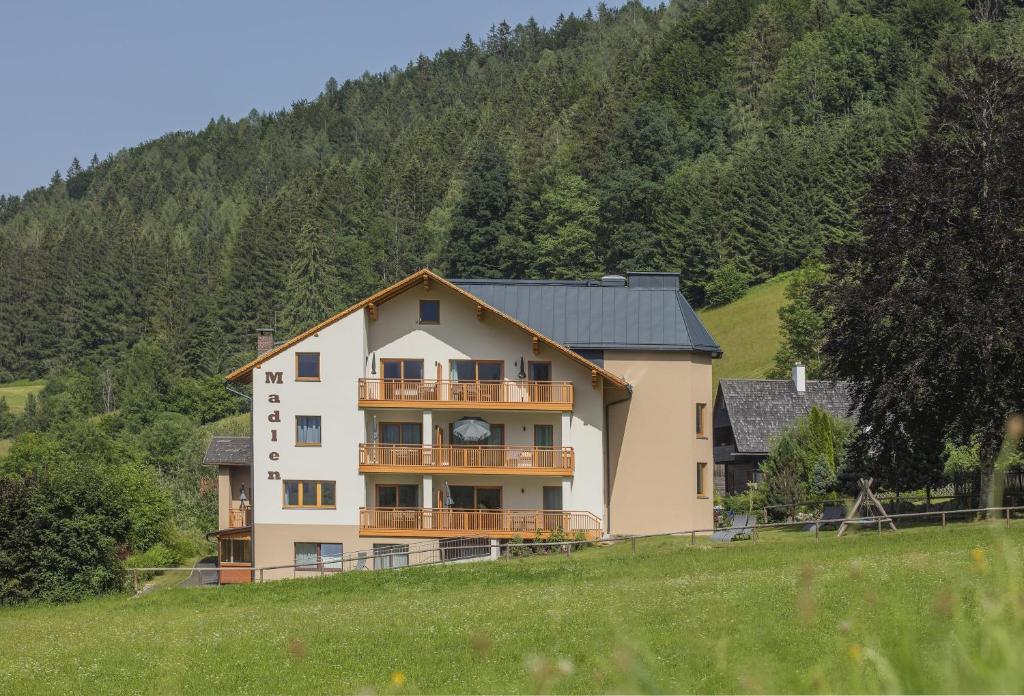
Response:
column 311, row 290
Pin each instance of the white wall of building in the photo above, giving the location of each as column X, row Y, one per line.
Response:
column 342, row 348
column 347, row 348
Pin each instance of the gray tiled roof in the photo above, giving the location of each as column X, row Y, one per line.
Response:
column 760, row 409
column 229, row 450
column 647, row 314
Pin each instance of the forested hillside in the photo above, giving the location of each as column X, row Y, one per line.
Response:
column 726, row 139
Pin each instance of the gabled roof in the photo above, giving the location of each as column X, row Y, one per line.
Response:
column 229, row 451
column 244, row 373
column 647, row 314
column 760, row 409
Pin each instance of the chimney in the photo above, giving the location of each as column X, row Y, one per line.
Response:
column 264, row 340
column 800, row 377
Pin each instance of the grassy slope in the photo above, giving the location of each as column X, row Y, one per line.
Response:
column 747, row 330
column 17, row 392
column 785, row 614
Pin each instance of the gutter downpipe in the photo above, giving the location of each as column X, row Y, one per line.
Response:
column 607, row 461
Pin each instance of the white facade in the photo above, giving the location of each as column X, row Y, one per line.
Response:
column 349, row 349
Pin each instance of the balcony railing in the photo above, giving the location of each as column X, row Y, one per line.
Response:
column 505, row 394
column 499, row 524
column 469, row 459
column 239, row 518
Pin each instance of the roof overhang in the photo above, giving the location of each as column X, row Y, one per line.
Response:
column 243, row 375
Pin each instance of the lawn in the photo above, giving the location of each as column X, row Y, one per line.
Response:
column 907, row 611
column 17, row 392
column 747, row 330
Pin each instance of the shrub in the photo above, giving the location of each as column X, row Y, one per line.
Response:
column 728, row 283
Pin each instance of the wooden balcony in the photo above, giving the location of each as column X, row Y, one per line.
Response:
column 495, row 524
column 239, row 518
column 466, row 459
column 505, row 395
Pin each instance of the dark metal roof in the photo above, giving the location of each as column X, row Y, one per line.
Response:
column 760, row 409
column 647, row 314
column 229, row 450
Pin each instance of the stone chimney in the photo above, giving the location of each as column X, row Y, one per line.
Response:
column 264, row 340
column 800, row 377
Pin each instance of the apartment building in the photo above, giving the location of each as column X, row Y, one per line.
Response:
column 439, row 409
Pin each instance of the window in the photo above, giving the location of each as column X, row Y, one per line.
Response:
column 401, row 433
column 497, row 436
column 544, row 436
column 700, row 419
column 540, row 372
column 475, row 498
column 235, row 551
column 477, row 370
column 390, row 495
column 307, row 367
column 308, row 494
column 390, row 556
column 307, row 431
column 430, row 311
column 311, row 556
column 702, row 470
column 401, row 369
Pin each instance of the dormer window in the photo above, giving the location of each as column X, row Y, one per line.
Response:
column 430, row 311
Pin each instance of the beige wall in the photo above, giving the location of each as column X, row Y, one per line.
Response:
column 275, row 544
column 653, row 449
column 229, row 485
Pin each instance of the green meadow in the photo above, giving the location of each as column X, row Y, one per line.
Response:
column 747, row 330
column 924, row 609
column 16, row 393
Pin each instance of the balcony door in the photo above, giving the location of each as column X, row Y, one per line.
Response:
column 403, row 379
column 477, row 380
column 470, row 504
column 406, row 440
column 553, row 502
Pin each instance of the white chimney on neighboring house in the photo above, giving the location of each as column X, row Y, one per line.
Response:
column 800, row 377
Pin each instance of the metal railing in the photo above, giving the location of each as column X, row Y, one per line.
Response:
column 451, row 391
column 373, row 456
column 443, row 551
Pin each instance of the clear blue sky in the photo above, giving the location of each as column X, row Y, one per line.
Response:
column 84, row 77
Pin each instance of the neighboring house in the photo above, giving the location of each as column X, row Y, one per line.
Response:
column 749, row 413
column 439, row 409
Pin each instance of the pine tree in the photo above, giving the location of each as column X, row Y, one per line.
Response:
column 311, row 291
column 568, row 246
column 481, row 221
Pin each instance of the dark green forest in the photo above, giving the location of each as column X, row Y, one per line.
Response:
column 876, row 146
column 728, row 139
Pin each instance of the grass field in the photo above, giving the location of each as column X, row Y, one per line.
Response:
column 927, row 609
column 747, row 330
column 17, row 393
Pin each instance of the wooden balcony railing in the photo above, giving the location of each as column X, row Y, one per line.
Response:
column 239, row 518
column 499, row 524
column 469, row 459
column 506, row 394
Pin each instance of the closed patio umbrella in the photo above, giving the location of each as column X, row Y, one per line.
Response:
column 471, row 429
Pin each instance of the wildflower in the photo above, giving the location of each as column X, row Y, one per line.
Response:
column 398, row 679
column 978, row 556
column 856, row 652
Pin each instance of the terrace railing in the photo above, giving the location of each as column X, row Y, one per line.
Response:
column 496, row 459
column 501, row 524
column 513, row 394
